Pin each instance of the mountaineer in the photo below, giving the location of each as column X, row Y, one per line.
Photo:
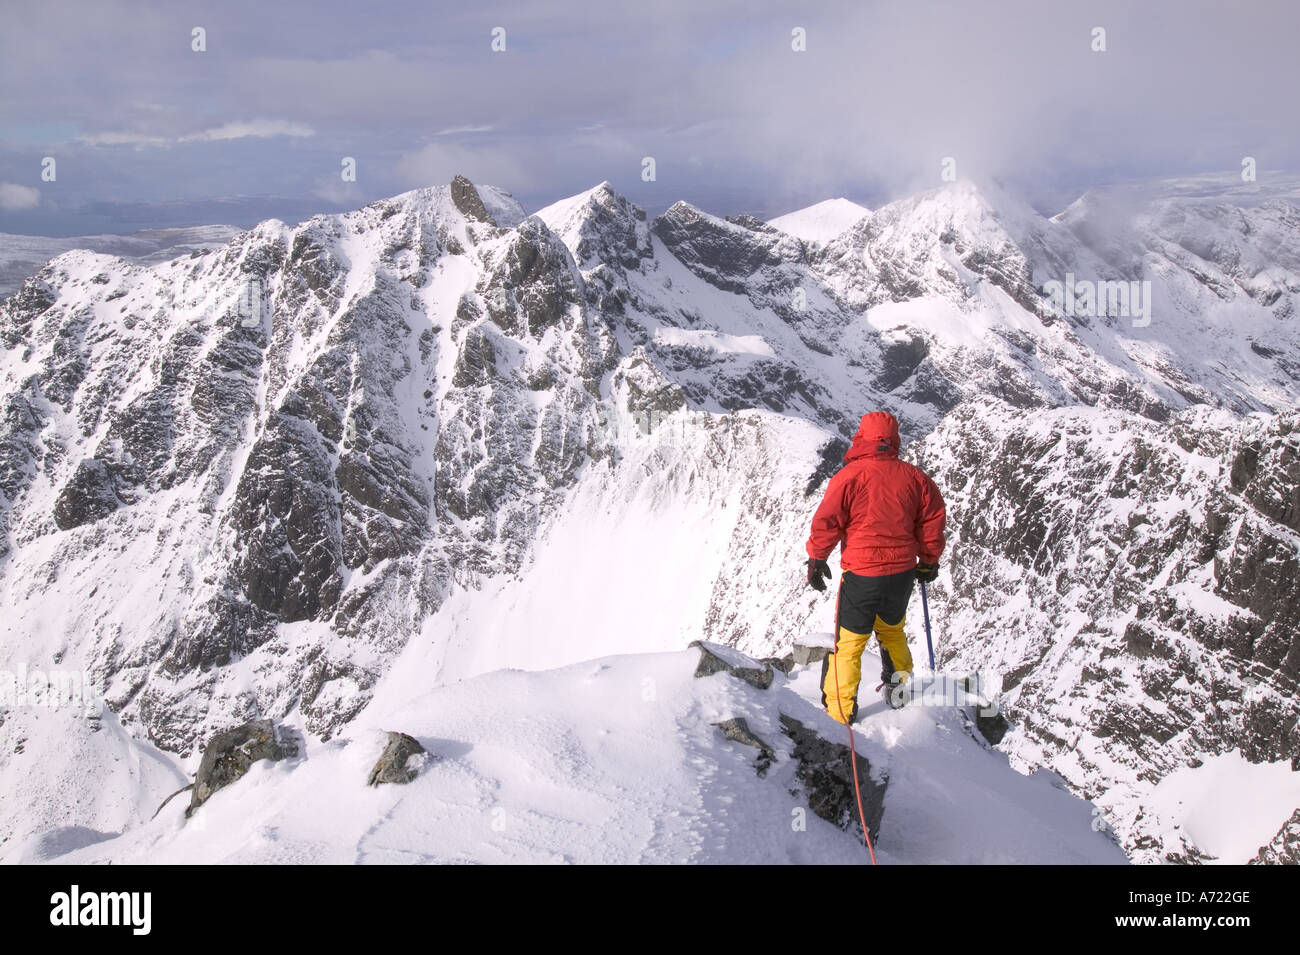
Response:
column 888, row 517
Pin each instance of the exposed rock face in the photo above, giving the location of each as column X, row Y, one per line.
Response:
column 785, row 664
column 393, row 763
column 606, row 234
column 1096, row 526
column 22, row 308
column 991, row 725
column 826, row 773
column 725, row 254
column 530, row 284
column 228, row 756
column 88, row 496
column 1283, row 848
column 715, row 658
column 466, row 198
column 737, row 730
column 806, row 656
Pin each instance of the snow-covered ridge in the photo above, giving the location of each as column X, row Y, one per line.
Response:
column 22, row 255
column 558, row 766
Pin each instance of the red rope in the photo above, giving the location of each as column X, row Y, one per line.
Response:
column 839, row 701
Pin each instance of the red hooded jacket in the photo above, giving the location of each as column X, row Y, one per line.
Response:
column 887, row 513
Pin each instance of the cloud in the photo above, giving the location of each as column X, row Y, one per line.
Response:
column 736, row 119
column 439, row 163
column 456, row 130
column 138, row 140
column 14, row 197
column 257, row 129
column 334, row 190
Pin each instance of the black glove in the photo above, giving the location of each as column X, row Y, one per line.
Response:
column 926, row 573
column 818, row 573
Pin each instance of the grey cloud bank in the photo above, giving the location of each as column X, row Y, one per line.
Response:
column 144, row 126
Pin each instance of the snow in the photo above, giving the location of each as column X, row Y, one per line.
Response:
column 561, row 212
column 23, row 255
column 504, row 209
column 104, row 782
column 614, row 760
column 619, row 567
column 1228, row 805
column 937, row 316
column 713, row 341
column 567, row 217
column 821, row 221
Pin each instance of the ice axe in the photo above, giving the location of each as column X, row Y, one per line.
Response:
column 925, row 613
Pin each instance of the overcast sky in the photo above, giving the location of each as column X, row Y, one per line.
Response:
column 145, row 131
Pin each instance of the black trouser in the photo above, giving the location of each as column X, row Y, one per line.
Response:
column 863, row 599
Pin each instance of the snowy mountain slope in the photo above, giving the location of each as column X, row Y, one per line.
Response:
column 821, row 221
column 430, row 433
column 614, row 760
column 296, row 453
column 1235, row 265
column 990, row 255
column 72, row 779
column 23, row 255
column 666, row 544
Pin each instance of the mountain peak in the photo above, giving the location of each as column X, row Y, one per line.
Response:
column 599, row 223
column 466, row 198
column 821, row 221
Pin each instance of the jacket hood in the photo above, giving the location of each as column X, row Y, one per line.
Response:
column 877, row 437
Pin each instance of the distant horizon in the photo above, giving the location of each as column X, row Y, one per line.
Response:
column 128, row 218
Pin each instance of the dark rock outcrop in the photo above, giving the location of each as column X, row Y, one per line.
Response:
column 1283, row 848
column 737, row 730
column 826, row 773
column 228, row 756
column 391, row 767
column 722, row 253
column 715, row 658
column 89, row 495
column 992, row 725
column 468, row 201
column 529, row 285
column 806, row 656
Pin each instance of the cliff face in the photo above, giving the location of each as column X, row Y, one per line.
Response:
column 1132, row 588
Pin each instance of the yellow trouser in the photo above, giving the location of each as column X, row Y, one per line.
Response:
column 844, row 667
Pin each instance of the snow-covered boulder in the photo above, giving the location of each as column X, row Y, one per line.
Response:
column 394, row 763
column 228, row 756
